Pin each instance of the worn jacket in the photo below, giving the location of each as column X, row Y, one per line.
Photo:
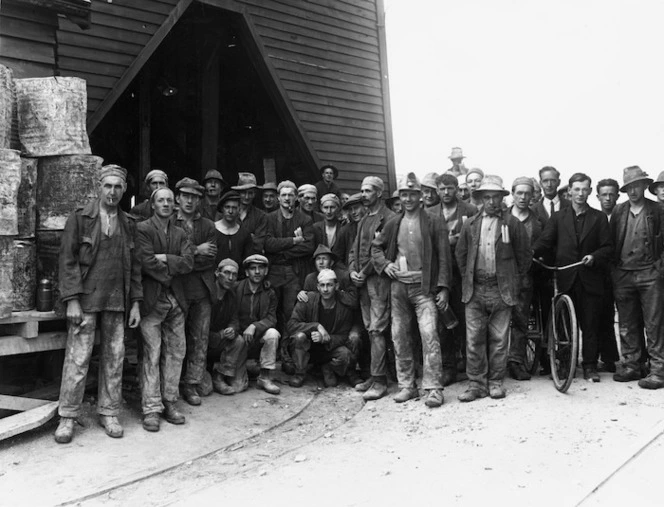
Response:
column 513, row 259
column 78, row 251
column 347, row 290
column 267, row 307
column 359, row 258
column 157, row 275
column 595, row 239
column 654, row 220
column 436, row 253
column 281, row 249
column 256, row 223
column 204, row 232
column 320, row 238
column 305, row 320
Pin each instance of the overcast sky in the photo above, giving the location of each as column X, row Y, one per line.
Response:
column 522, row 84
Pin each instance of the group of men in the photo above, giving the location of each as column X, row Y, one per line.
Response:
column 208, row 281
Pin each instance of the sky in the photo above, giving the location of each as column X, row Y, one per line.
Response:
column 519, row 84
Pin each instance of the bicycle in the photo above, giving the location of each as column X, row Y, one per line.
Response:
column 561, row 338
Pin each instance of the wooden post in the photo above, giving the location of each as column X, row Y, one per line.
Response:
column 144, row 118
column 210, row 110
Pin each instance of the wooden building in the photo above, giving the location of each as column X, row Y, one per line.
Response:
column 274, row 87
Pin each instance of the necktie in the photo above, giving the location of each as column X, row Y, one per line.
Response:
column 552, row 210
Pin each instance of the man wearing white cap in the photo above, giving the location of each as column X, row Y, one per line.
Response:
column 457, row 169
column 494, row 254
column 154, row 180
column 100, row 280
column 374, row 287
column 251, row 218
column 307, row 196
column 198, row 285
column 319, row 328
column 414, row 251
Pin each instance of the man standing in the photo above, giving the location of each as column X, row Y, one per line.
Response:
column 100, row 280
column 657, row 188
column 494, row 255
column 550, row 202
column 257, row 314
column 374, row 287
column 638, row 279
column 307, row 196
column 522, row 193
column 608, row 191
column 166, row 254
column 454, row 213
column 154, row 180
column 581, row 233
column 320, row 328
column 214, row 185
column 430, row 196
column 474, row 179
column 251, row 218
column 328, row 231
column 326, row 185
column 414, row 251
column 457, row 169
column 355, row 211
column 270, row 197
column 233, row 240
column 198, row 285
column 289, row 243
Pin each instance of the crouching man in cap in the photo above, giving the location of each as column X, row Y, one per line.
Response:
column 319, row 328
column 226, row 341
column 494, row 255
column 165, row 254
column 257, row 313
column 100, row 280
column 414, row 251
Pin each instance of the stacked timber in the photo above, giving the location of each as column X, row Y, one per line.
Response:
column 10, row 169
column 8, row 113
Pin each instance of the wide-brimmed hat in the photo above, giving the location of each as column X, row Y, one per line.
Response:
column 393, row 197
column 322, row 249
column 189, row 186
column 659, row 181
column 334, row 170
column 456, row 153
column 255, row 259
column 245, row 181
column 409, row 182
column 633, row 174
column 213, row 174
column 231, row 195
column 269, row 185
column 429, row 180
column 491, row 183
column 352, row 200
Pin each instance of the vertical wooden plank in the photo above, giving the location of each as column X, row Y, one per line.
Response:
column 144, row 118
column 382, row 51
column 210, row 111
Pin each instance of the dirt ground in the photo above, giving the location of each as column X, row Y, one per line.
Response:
column 536, row 446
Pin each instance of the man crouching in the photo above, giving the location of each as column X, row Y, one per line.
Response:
column 319, row 328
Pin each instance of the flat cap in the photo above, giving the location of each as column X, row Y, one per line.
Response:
column 255, row 259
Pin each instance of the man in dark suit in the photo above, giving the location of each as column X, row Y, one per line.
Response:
column 581, row 233
column 551, row 201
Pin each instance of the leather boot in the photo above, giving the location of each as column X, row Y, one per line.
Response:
column 265, row 382
column 190, row 394
column 406, row 394
column 365, row 386
column 65, row 431
column 151, row 422
column 112, row 426
column 220, row 385
column 377, row 391
column 172, row 414
column 329, row 377
column 517, row 371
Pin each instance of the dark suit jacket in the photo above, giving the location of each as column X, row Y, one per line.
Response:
column 654, row 220
column 595, row 240
column 158, row 275
column 542, row 213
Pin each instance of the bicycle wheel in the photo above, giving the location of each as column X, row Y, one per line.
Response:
column 563, row 343
column 533, row 353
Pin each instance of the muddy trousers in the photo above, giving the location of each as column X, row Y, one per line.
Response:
column 409, row 301
column 164, row 348
column 77, row 362
column 197, row 327
column 375, row 307
column 305, row 351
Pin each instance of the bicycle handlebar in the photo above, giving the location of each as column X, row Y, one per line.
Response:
column 557, row 268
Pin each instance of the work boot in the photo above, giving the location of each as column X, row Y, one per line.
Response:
column 205, row 387
column 329, row 377
column 190, row 394
column 219, row 385
column 296, row 380
column 112, row 426
column 590, row 373
column 265, row 382
column 172, row 414
column 406, row 394
column 496, row 392
column 518, row 371
column 365, row 386
column 652, row 381
column 434, row 398
column 353, row 378
column 65, row 431
column 627, row 375
column 288, row 368
column 376, row 392
column 151, row 422
column 472, row 394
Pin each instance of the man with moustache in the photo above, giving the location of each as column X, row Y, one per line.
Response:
column 166, row 254
column 100, row 280
column 374, row 287
column 198, row 285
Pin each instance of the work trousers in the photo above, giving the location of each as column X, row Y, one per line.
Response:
column 487, row 323
column 640, row 298
column 608, row 347
column 80, row 341
column 588, row 309
column 265, row 348
column 305, row 351
column 286, row 285
column 164, row 347
column 409, row 301
column 197, row 328
column 520, row 316
column 232, row 362
column 375, row 307
column 453, row 340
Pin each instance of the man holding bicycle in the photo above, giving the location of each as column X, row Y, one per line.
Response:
column 581, row 233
